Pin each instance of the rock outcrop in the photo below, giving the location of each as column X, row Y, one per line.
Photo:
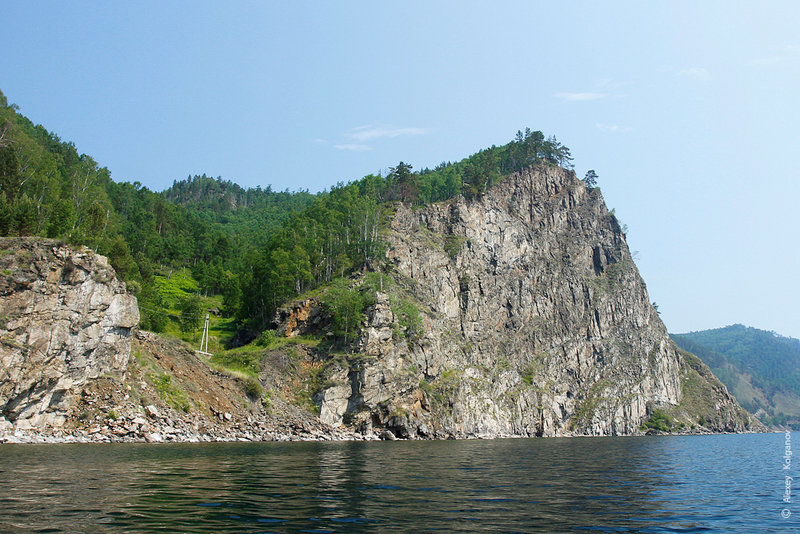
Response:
column 536, row 323
column 520, row 313
column 65, row 319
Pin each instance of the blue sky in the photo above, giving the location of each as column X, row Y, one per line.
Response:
column 686, row 110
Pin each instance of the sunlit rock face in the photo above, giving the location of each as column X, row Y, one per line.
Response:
column 65, row 318
column 536, row 323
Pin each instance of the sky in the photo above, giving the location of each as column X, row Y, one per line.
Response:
column 686, row 110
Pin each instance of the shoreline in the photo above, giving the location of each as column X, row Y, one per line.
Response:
column 24, row 437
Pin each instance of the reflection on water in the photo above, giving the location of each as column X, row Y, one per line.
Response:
column 667, row 484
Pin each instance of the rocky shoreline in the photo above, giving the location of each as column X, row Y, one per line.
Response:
column 161, row 429
column 139, row 430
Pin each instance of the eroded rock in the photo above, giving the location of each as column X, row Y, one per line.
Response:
column 66, row 319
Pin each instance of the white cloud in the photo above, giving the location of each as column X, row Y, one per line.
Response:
column 785, row 54
column 580, row 97
column 363, row 134
column 696, row 73
column 616, row 128
column 352, row 147
column 368, row 133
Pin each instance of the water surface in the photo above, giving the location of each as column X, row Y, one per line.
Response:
column 636, row 484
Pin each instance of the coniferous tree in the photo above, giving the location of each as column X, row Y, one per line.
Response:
column 590, row 179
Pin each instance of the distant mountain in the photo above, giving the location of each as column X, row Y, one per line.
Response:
column 760, row 368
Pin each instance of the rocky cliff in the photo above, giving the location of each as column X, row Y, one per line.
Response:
column 520, row 313
column 64, row 319
column 535, row 323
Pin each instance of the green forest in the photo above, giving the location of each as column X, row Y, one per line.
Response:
column 252, row 249
column 762, row 369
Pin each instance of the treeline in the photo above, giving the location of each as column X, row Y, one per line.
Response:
column 46, row 187
column 255, row 247
column 472, row 176
column 173, row 231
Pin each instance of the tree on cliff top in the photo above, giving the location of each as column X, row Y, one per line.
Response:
column 590, row 179
column 405, row 182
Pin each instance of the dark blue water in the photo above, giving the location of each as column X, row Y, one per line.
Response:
column 640, row 484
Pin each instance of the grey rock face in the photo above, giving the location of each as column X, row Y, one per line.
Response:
column 536, row 322
column 65, row 318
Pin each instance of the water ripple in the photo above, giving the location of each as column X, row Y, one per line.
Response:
column 670, row 484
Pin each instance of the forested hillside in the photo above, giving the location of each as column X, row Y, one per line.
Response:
column 762, row 369
column 255, row 248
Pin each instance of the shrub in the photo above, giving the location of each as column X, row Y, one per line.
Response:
column 409, row 318
column 154, row 320
column 191, row 314
column 267, row 338
column 452, row 244
column 253, row 389
column 659, row 420
column 134, row 287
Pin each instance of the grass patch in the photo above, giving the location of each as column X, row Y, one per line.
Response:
column 308, row 341
column 169, row 392
column 246, row 359
column 175, row 286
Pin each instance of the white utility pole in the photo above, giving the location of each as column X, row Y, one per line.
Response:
column 204, row 340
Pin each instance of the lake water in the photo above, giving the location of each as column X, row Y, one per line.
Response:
column 730, row 483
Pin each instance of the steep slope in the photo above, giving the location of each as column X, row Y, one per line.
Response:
column 536, row 322
column 762, row 369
